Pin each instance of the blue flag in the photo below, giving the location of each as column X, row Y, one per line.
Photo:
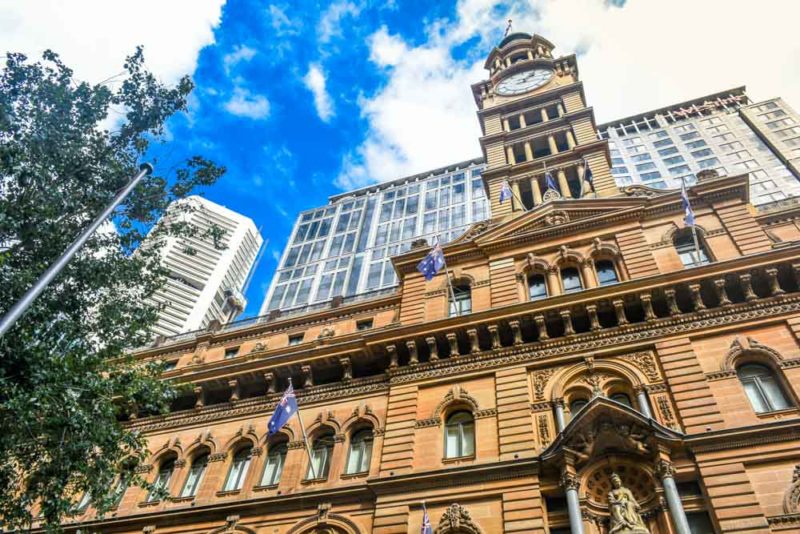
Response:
column 284, row 411
column 688, row 217
column 426, row 521
column 432, row 263
column 505, row 191
column 548, row 178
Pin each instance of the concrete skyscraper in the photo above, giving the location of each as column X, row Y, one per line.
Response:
column 205, row 282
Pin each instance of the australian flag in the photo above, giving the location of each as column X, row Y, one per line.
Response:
column 505, row 192
column 426, row 522
column 432, row 263
column 548, row 178
column 284, row 411
column 688, row 217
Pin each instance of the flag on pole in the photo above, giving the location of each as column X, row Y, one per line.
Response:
column 588, row 175
column 426, row 521
column 432, row 263
column 551, row 184
column 688, row 217
column 505, row 192
column 284, row 411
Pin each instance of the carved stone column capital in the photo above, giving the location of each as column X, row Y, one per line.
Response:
column 664, row 469
column 568, row 481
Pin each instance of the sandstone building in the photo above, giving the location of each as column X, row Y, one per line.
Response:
column 587, row 341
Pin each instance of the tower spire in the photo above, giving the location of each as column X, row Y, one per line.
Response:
column 508, row 28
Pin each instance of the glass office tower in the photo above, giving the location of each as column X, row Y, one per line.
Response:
column 344, row 248
column 724, row 131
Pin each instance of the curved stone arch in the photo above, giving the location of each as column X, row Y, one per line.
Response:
column 556, row 386
column 318, row 427
column 361, row 418
column 339, row 523
column 203, row 441
column 603, row 249
column 232, row 529
column 195, row 450
column 668, row 236
column 533, row 264
column 459, row 277
column 284, row 434
column 638, row 476
column 456, row 397
column 241, row 437
column 791, row 500
column 568, row 256
column 749, row 348
column 169, row 447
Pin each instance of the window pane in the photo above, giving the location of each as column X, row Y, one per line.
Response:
column 772, row 390
column 468, row 439
column 239, row 467
column 756, row 399
column 606, row 274
column 537, row 289
column 195, row 476
column 571, row 280
column 274, row 465
column 451, row 442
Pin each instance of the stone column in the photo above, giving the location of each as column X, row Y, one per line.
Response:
column 570, row 139
column 528, row 151
column 560, row 109
column 515, row 199
column 551, row 142
column 506, row 126
column 510, row 154
column 570, row 484
column 558, row 406
column 562, row 184
column 553, row 283
column 537, row 192
column 587, row 270
column 545, row 117
column 522, row 123
column 679, row 520
column 644, row 403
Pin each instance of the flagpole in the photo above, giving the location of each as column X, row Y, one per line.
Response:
column 694, row 229
column 305, row 438
column 449, row 282
column 521, row 203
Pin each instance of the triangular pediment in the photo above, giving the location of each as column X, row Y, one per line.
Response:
column 606, row 427
column 560, row 214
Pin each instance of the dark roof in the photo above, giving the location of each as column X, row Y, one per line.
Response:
column 514, row 36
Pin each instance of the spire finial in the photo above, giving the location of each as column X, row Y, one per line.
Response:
column 508, row 28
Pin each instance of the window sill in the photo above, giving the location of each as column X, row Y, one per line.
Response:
column 318, row 480
column 228, row 493
column 458, row 459
column 266, row 488
column 188, row 498
column 777, row 413
column 147, row 504
column 348, row 476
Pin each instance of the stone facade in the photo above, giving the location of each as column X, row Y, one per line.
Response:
column 644, row 371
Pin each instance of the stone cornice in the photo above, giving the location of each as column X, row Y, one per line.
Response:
column 738, row 438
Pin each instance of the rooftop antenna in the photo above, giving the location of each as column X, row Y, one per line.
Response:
column 508, row 28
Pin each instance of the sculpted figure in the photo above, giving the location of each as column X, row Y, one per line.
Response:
column 624, row 510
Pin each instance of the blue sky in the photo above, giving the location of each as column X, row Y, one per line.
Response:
column 301, row 100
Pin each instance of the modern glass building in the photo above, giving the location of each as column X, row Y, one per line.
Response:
column 723, row 131
column 344, row 248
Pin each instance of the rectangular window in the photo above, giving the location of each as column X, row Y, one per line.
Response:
column 689, row 136
column 619, row 170
column 728, row 147
column 641, row 157
column 745, row 165
column 668, row 151
column 295, row 339
column 677, row 171
column 662, row 143
column 773, row 115
column 231, row 352
column 650, row 175
column 724, row 137
column 696, row 144
column 364, row 324
column 617, row 161
column 637, row 149
column 718, row 129
column 645, row 166
column 659, row 134
column 685, row 127
column 702, row 153
column 631, row 141
column 708, row 163
column 741, row 155
column 674, row 160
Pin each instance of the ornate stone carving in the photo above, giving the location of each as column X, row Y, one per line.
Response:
column 607, row 434
column 556, row 217
column 791, row 502
column 326, row 332
column 457, row 520
column 544, row 430
column 540, row 379
column 646, row 363
column 568, row 481
column 624, row 510
column 665, row 469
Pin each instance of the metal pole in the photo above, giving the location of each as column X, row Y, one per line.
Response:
column 305, row 439
column 22, row 305
column 449, row 282
column 516, row 197
column 694, row 230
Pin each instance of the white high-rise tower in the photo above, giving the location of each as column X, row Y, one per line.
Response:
column 205, row 283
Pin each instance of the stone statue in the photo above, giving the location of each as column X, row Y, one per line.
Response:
column 624, row 510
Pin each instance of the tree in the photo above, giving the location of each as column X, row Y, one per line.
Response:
column 67, row 383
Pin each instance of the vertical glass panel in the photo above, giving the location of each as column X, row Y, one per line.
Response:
column 571, row 280
column 537, row 288
column 195, row 476
column 606, row 273
column 274, row 465
column 238, row 471
column 355, row 274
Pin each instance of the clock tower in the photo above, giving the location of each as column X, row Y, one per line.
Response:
column 535, row 123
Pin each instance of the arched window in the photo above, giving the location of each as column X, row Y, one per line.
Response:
column 119, row 491
column 161, row 482
column 684, row 244
column 622, row 398
column 459, row 435
column 360, row 453
column 83, row 504
column 195, row 475
column 762, row 388
column 576, row 406
column 537, row 286
column 273, row 467
column 606, row 272
column 239, row 467
column 321, row 454
column 460, row 300
column 571, row 280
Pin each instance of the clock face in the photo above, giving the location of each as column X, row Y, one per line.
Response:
column 524, row 81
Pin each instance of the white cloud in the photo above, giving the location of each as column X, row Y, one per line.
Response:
column 243, row 103
column 314, row 80
column 331, row 21
column 93, row 37
column 280, row 22
column 642, row 56
column 241, row 53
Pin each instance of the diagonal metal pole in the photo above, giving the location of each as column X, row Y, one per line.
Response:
column 22, row 305
column 305, row 439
